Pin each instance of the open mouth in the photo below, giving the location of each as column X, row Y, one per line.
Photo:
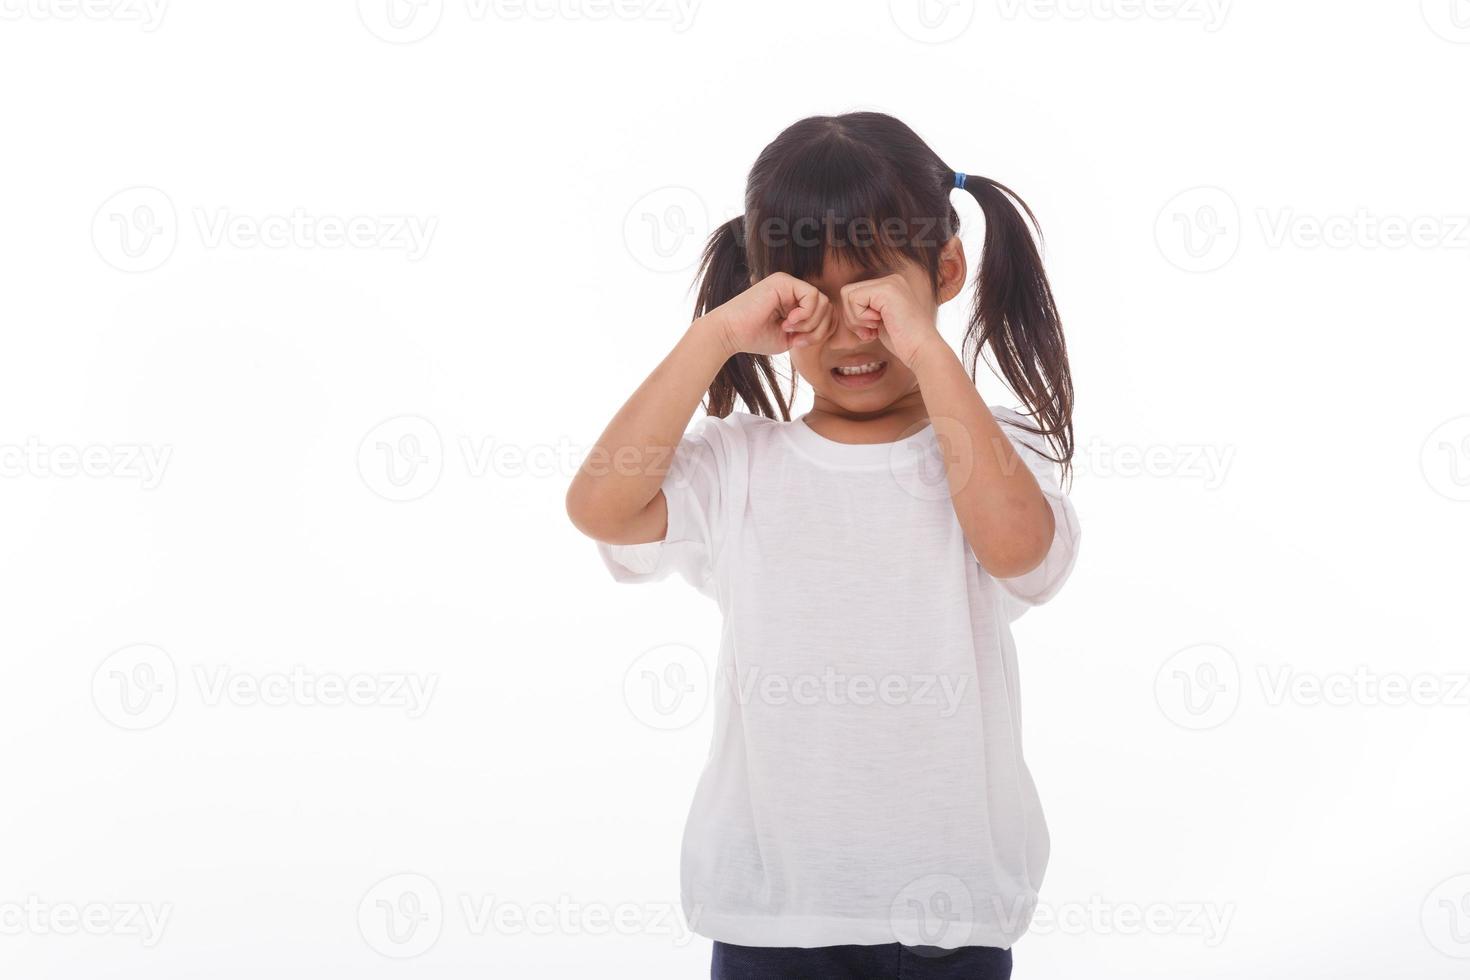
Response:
column 860, row 375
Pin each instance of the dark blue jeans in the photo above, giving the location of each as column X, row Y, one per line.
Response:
column 887, row 962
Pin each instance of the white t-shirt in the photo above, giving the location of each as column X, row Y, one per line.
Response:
column 865, row 782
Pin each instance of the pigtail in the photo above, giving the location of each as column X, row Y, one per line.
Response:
column 1015, row 316
column 723, row 275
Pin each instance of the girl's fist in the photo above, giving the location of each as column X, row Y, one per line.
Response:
column 774, row 315
column 887, row 308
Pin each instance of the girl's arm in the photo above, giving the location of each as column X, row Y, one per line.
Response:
column 1005, row 516
column 616, row 496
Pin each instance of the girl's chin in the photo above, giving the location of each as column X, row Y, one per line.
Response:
column 867, row 402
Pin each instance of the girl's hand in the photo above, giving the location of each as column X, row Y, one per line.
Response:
column 776, row 314
column 887, row 308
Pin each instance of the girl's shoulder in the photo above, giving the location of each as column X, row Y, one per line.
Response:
column 740, row 420
column 735, row 439
column 1019, row 427
column 740, row 426
column 1008, row 416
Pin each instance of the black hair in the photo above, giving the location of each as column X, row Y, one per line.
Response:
column 867, row 184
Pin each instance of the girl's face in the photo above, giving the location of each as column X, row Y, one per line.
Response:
column 863, row 377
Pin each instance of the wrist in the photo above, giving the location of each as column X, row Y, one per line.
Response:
column 930, row 355
column 709, row 335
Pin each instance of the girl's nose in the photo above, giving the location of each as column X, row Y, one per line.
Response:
column 844, row 337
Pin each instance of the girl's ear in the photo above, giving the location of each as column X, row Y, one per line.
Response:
column 953, row 269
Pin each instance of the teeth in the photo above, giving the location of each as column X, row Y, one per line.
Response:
column 868, row 368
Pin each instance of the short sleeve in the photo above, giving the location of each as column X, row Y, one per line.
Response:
column 693, row 491
column 1045, row 580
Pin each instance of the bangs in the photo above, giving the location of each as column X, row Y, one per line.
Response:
column 838, row 199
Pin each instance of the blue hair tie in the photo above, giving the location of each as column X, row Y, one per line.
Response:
column 959, row 181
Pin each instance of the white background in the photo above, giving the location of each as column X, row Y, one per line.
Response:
column 360, row 449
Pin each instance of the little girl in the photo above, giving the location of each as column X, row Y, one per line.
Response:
column 865, row 810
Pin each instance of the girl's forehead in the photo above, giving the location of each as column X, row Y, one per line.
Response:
column 839, row 269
